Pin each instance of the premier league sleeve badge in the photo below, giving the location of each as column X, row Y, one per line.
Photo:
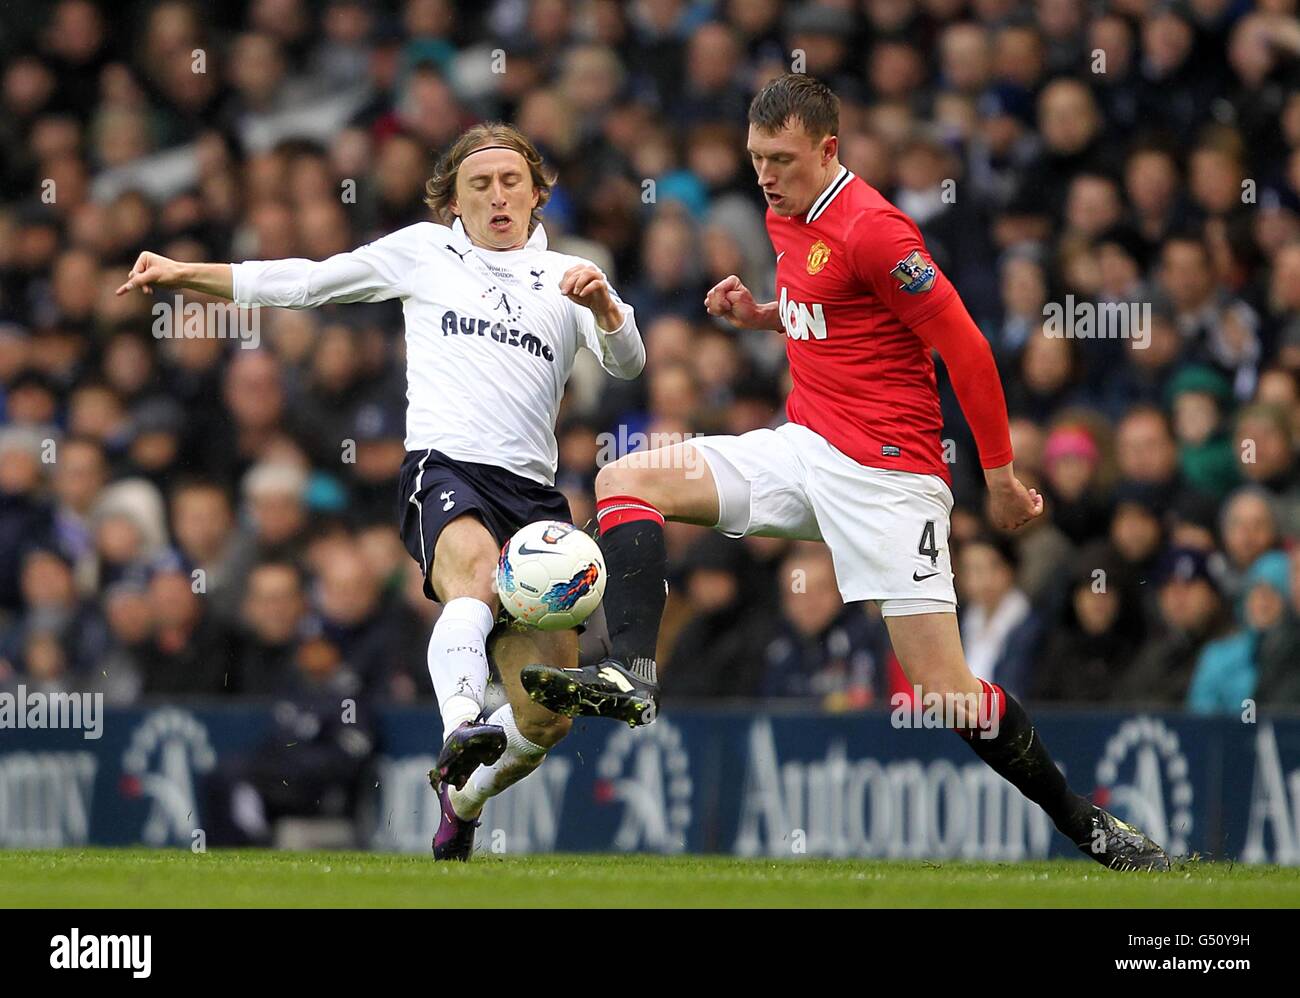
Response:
column 914, row 274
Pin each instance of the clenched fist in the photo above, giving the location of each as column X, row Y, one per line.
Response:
column 731, row 300
column 585, row 285
column 1011, row 505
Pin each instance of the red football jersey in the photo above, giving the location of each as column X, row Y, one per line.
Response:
column 852, row 278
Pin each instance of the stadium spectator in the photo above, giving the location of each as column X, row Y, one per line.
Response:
column 273, row 613
column 1096, row 635
column 1250, row 529
column 203, row 524
column 1047, row 380
column 129, row 521
column 54, row 637
column 24, row 516
column 1146, row 452
column 276, row 494
column 188, row 650
column 1227, row 669
column 1024, row 292
column 1071, row 462
column 1278, row 656
column 126, row 623
column 1190, row 613
column 824, row 651
column 356, row 620
column 718, row 653
column 78, row 477
column 1268, row 459
column 378, row 430
column 673, row 282
column 999, row 628
column 1206, row 460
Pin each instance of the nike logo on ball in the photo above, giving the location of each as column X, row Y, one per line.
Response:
column 525, row 549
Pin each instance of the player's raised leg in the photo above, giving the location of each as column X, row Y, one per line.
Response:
column 530, row 731
column 461, row 575
column 929, row 649
column 634, row 495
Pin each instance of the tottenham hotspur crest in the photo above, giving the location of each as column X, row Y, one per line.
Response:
column 914, row 274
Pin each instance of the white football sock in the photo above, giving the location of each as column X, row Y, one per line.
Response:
column 458, row 662
column 519, row 759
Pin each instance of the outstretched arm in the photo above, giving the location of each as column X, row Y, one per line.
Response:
column 154, row 270
column 374, row 272
column 969, row 359
column 892, row 261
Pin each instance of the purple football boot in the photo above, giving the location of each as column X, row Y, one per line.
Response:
column 471, row 745
column 455, row 837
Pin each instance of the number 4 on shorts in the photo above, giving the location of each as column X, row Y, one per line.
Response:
column 927, row 546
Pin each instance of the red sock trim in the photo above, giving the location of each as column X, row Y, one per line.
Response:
column 613, row 511
column 998, row 696
column 994, row 698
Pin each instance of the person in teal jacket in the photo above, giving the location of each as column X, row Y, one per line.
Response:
column 1226, row 671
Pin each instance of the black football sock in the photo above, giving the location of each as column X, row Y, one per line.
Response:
column 1018, row 755
column 636, row 564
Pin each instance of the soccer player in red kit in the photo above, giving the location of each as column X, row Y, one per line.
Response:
column 858, row 464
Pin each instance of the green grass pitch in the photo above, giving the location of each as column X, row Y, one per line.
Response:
column 112, row 878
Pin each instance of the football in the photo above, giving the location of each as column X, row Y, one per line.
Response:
column 551, row 575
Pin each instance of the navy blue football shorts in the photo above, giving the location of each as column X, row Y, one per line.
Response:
column 435, row 489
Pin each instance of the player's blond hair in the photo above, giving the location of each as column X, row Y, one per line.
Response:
column 440, row 189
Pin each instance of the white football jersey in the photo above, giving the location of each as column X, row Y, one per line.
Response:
column 490, row 341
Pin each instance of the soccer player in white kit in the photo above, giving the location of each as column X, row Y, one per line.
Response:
column 494, row 321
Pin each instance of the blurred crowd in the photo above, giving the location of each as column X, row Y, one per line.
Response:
column 186, row 515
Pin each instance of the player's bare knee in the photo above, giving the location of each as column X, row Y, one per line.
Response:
column 465, row 565
column 619, row 478
column 650, row 484
column 541, row 727
column 475, row 578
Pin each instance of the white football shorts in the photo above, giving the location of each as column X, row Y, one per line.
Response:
column 887, row 530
